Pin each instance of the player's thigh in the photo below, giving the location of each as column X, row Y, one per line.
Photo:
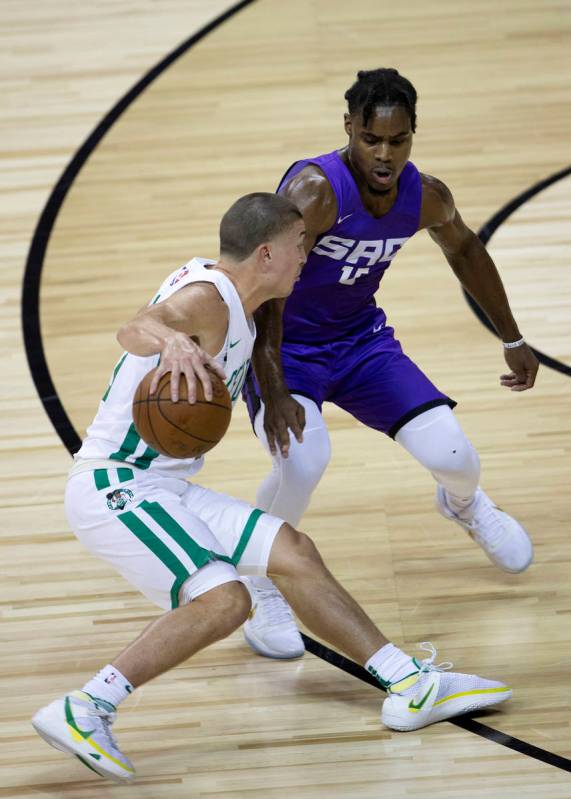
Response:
column 382, row 387
column 245, row 533
column 146, row 533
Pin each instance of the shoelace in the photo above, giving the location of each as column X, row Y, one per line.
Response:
column 275, row 608
column 107, row 720
column 493, row 528
column 427, row 664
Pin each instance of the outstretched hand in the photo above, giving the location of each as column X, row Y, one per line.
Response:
column 182, row 356
column 524, row 366
column 281, row 415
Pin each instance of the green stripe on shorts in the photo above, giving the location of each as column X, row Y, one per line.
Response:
column 162, row 552
column 246, row 535
column 200, row 556
column 101, row 479
column 125, row 474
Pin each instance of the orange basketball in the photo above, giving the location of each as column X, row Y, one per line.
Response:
column 178, row 429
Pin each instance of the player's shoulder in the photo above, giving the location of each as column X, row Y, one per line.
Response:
column 437, row 202
column 313, row 194
column 310, row 181
column 203, row 293
column 199, row 300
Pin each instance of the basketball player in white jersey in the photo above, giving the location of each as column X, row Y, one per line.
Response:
column 184, row 546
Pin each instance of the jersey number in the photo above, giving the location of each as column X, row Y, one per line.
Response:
column 349, row 274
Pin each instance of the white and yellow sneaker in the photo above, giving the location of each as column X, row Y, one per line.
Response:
column 504, row 540
column 80, row 724
column 271, row 630
column 434, row 694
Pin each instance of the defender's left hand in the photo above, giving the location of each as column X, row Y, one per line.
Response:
column 524, row 366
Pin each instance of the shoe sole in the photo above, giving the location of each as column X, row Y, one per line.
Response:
column 499, row 565
column 41, row 726
column 258, row 646
column 455, row 707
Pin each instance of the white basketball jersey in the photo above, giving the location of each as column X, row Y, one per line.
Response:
column 112, row 435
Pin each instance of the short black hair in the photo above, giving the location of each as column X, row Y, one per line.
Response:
column 382, row 86
column 254, row 219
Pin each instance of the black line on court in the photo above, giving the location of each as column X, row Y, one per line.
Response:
column 464, row 722
column 33, row 273
column 41, row 376
column 485, row 234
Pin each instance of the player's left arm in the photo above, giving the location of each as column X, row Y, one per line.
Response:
column 477, row 273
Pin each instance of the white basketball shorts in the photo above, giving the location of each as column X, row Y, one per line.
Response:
column 171, row 539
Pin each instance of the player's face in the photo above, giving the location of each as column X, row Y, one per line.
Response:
column 288, row 254
column 379, row 150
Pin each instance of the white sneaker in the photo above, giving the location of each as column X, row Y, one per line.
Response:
column 81, row 725
column 271, row 630
column 437, row 695
column 502, row 538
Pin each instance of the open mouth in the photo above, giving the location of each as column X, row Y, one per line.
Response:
column 382, row 175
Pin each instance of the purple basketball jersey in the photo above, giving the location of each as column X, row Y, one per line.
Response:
column 335, row 294
column 336, row 344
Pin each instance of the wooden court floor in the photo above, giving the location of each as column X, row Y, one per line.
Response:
column 225, row 118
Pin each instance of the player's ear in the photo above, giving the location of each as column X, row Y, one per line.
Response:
column 347, row 124
column 265, row 251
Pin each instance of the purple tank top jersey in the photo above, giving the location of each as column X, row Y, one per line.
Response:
column 335, row 294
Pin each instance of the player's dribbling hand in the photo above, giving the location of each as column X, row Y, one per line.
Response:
column 281, row 415
column 182, row 356
column 524, row 366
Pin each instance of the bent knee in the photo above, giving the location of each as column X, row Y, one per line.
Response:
column 457, row 457
column 293, row 552
column 305, row 464
column 230, row 602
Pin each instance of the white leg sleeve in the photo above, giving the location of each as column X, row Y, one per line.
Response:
column 286, row 491
column 437, row 441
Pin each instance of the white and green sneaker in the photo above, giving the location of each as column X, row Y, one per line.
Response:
column 434, row 694
column 80, row 724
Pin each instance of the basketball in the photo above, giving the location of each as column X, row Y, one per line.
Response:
column 178, row 429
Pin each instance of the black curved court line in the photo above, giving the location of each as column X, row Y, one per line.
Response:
column 485, row 234
column 46, row 390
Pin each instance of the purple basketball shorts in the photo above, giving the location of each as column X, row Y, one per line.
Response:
column 367, row 374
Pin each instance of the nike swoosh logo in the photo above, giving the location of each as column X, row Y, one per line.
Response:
column 376, row 328
column 343, row 218
column 413, row 706
column 72, row 723
column 233, row 343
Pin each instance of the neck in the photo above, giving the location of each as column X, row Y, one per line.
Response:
column 244, row 281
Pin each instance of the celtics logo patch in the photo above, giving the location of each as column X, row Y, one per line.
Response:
column 116, row 500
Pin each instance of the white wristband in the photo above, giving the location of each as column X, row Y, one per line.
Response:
column 511, row 345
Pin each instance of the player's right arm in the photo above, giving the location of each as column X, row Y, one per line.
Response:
column 185, row 329
column 312, row 193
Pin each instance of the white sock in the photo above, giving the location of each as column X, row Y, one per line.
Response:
column 390, row 665
column 110, row 685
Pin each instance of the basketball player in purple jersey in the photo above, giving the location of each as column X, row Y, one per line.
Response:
column 330, row 342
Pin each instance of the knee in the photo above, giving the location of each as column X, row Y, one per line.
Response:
column 441, row 445
column 229, row 603
column 307, row 461
column 296, row 553
column 457, row 456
